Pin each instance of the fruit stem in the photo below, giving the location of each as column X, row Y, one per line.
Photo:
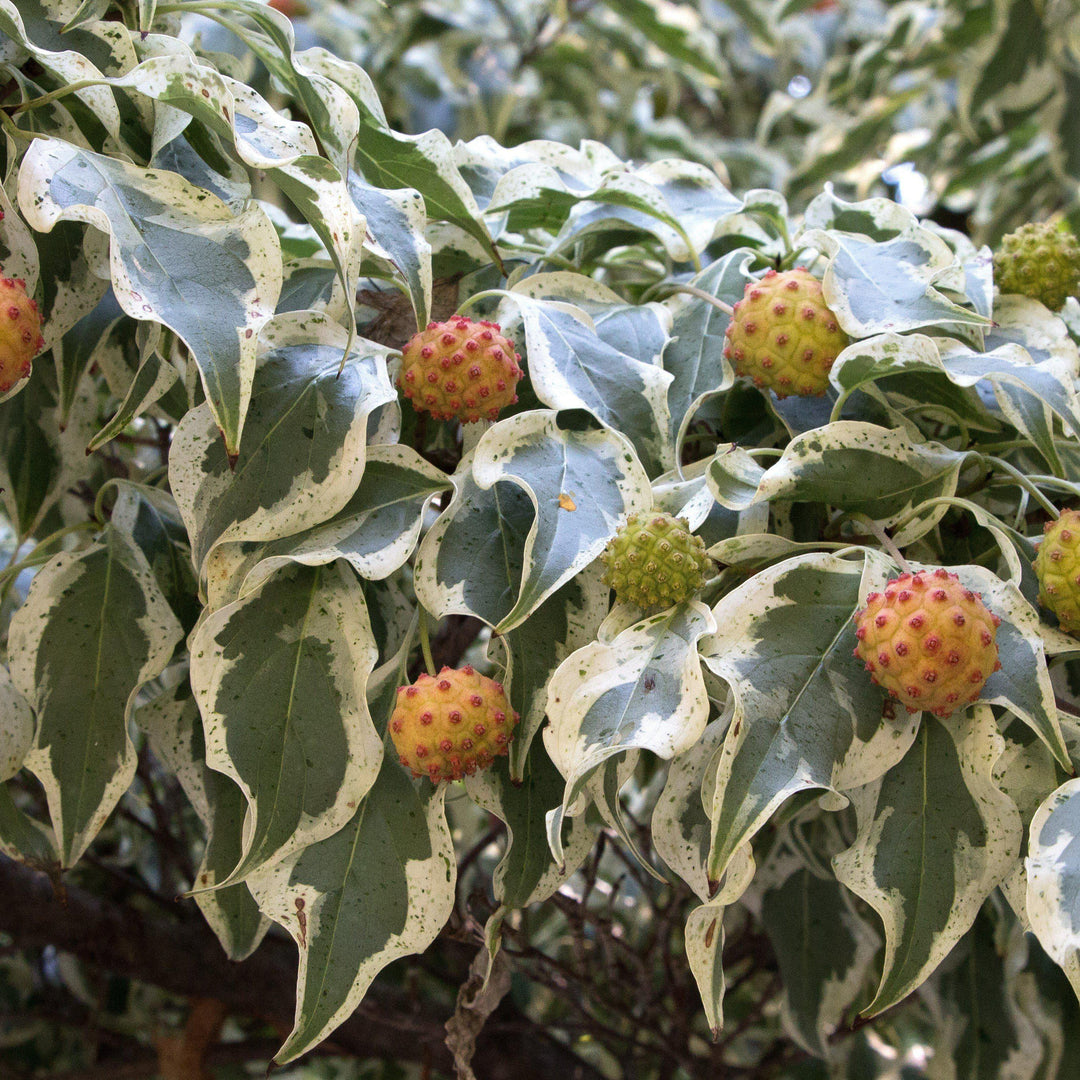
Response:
column 1024, row 482
column 886, row 541
column 701, row 294
column 425, row 643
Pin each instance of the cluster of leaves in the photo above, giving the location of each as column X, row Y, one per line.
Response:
column 980, row 98
column 227, row 534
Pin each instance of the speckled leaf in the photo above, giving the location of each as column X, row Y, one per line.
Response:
column 935, row 836
column 806, row 715
column 171, row 721
column 889, row 285
column 379, row 888
column 16, row 727
column 1053, row 878
column 102, row 604
column 581, row 483
column 858, row 467
column 284, row 712
column 178, row 255
column 375, row 531
column 642, row 690
column 304, row 448
column 23, row 838
column 704, row 936
column 571, row 366
column 680, row 825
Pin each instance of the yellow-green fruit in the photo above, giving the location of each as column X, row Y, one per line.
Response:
column 929, row 641
column 654, row 561
column 1057, row 566
column 783, row 335
column 451, row 724
column 1039, row 261
column 20, row 332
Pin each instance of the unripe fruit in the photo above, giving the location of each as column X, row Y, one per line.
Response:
column 452, row 724
column 460, row 370
column 20, row 332
column 1039, row 261
column 929, row 641
column 1057, row 566
column 783, row 335
column 654, row 561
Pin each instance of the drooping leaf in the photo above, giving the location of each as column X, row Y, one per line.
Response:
column 104, row 605
column 284, row 712
column 935, row 835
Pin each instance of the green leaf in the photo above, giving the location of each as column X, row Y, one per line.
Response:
column 851, row 465
column 375, row 531
column 1053, row 878
column 806, row 715
column 581, row 483
column 178, row 255
column 285, row 713
column 822, row 947
column 572, row 366
column 643, row 689
column 379, row 888
column 101, row 604
column 935, row 836
column 171, row 721
column 304, row 450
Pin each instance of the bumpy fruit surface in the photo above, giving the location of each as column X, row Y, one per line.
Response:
column 460, row 370
column 1057, row 566
column 1039, row 261
column 929, row 641
column 20, row 332
column 655, row 561
column 783, row 335
column 451, row 724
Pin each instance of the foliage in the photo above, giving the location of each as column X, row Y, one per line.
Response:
column 715, row 844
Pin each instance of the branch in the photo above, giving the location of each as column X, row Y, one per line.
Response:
column 183, row 957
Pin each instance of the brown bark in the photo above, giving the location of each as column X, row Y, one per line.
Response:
column 183, row 956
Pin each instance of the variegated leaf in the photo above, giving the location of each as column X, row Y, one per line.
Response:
column 704, row 937
column 680, row 824
column 284, row 712
column 304, row 450
column 172, row 723
column 889, row 285
column 565, row 621
column 935, row 836
column 154, row 378
column 379, row 888
column 471, row 560
column 178, row 255
column 70, row 65
column 375, row 531
column 858, row 467
column 695, row 353
column 806, row 715
column 572, row 366
column 16, row 727
column 824, row 950
column 581, row 483
column 1053, row 878
column 101, row 604
column 527, row 873
column 22, row 837
column 643, row 690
